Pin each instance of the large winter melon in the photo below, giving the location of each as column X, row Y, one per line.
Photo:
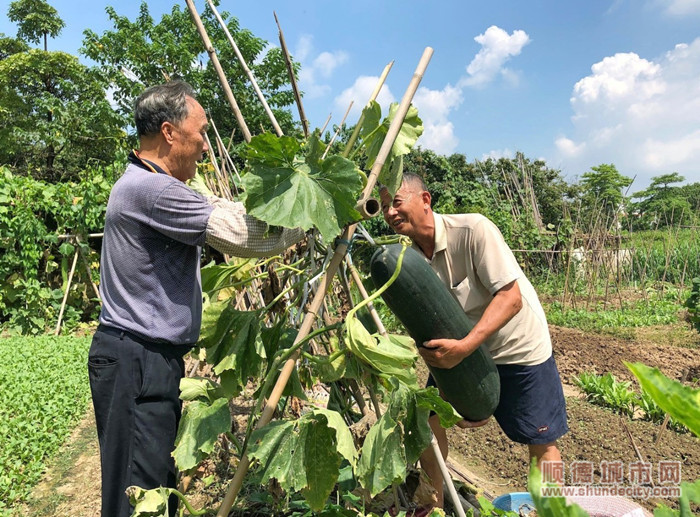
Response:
column 428, row 311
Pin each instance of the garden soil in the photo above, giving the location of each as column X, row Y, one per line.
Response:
column 494, row 463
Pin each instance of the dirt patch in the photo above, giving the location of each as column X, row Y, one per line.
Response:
column 576, row 351
column 595, row 434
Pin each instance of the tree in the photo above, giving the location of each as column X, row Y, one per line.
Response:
column 142, row 53
column 54, row 116
column 10, row 46
column 601, row 194
column 35, row 19
column 662, row 204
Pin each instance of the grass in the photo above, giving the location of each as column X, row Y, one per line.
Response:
column 44, row 391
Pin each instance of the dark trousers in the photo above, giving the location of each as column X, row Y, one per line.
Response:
column 135, row 393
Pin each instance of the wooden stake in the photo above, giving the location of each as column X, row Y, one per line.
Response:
column 292, row 78
column 65, row 295
column 219, row 70
column 325, row 282
column 337, row 132
column 326, row 123
column 247, row 70
column 375, row 93
column 446, row 477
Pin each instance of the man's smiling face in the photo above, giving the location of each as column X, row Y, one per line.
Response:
column 405, row 212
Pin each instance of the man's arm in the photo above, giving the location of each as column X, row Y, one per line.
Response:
column 447, row 353
column 232, row 231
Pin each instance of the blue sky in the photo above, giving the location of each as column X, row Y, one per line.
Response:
column 575, row 83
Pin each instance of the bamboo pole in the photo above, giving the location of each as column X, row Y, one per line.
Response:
column 219, row 70
column 65, row 295
column 375, row 94
column 337, row 132
column 446, row 476
column 247, row 70
column 363, row 292
column 292, row 78
column 326, row 279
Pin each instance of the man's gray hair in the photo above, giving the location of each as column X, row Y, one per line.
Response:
column 161, row 103
column 414, row 180
column 409, row 179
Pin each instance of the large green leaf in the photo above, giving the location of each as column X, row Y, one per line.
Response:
column 199, row 388
column 383, row 458
column 149, row 503
column 678, row 400
column 373, row 133
column 232, row 341
column 429, row 398
column 201, row 425
column 286, row 189
column 215, row 277
column 304, row 455
column 388, row 356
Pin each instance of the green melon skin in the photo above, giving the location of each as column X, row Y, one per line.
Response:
column 428, row 310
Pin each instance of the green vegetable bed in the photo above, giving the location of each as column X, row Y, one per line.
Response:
column 44, row 392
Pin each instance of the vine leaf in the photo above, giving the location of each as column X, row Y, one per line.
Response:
column 373, row 133
column 383, row 458
column 216, row 277
column 305, row 454
column 232, row 340
column 201, row 425
column 149, row 503
column 391, row 356
column 199, row 388
column 401, row 435
column 286, row 189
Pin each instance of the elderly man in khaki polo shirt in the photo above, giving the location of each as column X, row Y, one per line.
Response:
column 469, row 254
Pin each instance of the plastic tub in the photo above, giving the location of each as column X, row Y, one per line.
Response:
column 515, row 502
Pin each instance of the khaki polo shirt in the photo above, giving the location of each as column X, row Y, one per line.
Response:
column 474, row 262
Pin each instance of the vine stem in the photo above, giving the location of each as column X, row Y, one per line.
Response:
column 325, row 282
column 380, row 291
column 270, row 377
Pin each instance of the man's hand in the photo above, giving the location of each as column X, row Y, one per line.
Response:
column 444, row 353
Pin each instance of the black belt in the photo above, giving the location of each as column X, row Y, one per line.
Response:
column 165, row 346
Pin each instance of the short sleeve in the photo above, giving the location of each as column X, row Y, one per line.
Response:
column 494, row 261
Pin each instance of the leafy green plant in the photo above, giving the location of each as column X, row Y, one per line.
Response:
column 40, row 402
column 657, row 310
column 606, row 391
column 34, row 264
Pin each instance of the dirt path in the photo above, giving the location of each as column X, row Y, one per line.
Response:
column 71, row 486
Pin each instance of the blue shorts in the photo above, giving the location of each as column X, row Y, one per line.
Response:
column 531, row 409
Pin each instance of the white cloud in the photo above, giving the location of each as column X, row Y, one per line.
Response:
column 679, row 7
column 316, row 69
column 642, row 115
column 497, row 47
column 568, row 147
column 434, row 107
column 359, row 94
column 495, row 154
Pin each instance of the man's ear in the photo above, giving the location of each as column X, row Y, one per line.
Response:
column 167, row 129
column 426, row 197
